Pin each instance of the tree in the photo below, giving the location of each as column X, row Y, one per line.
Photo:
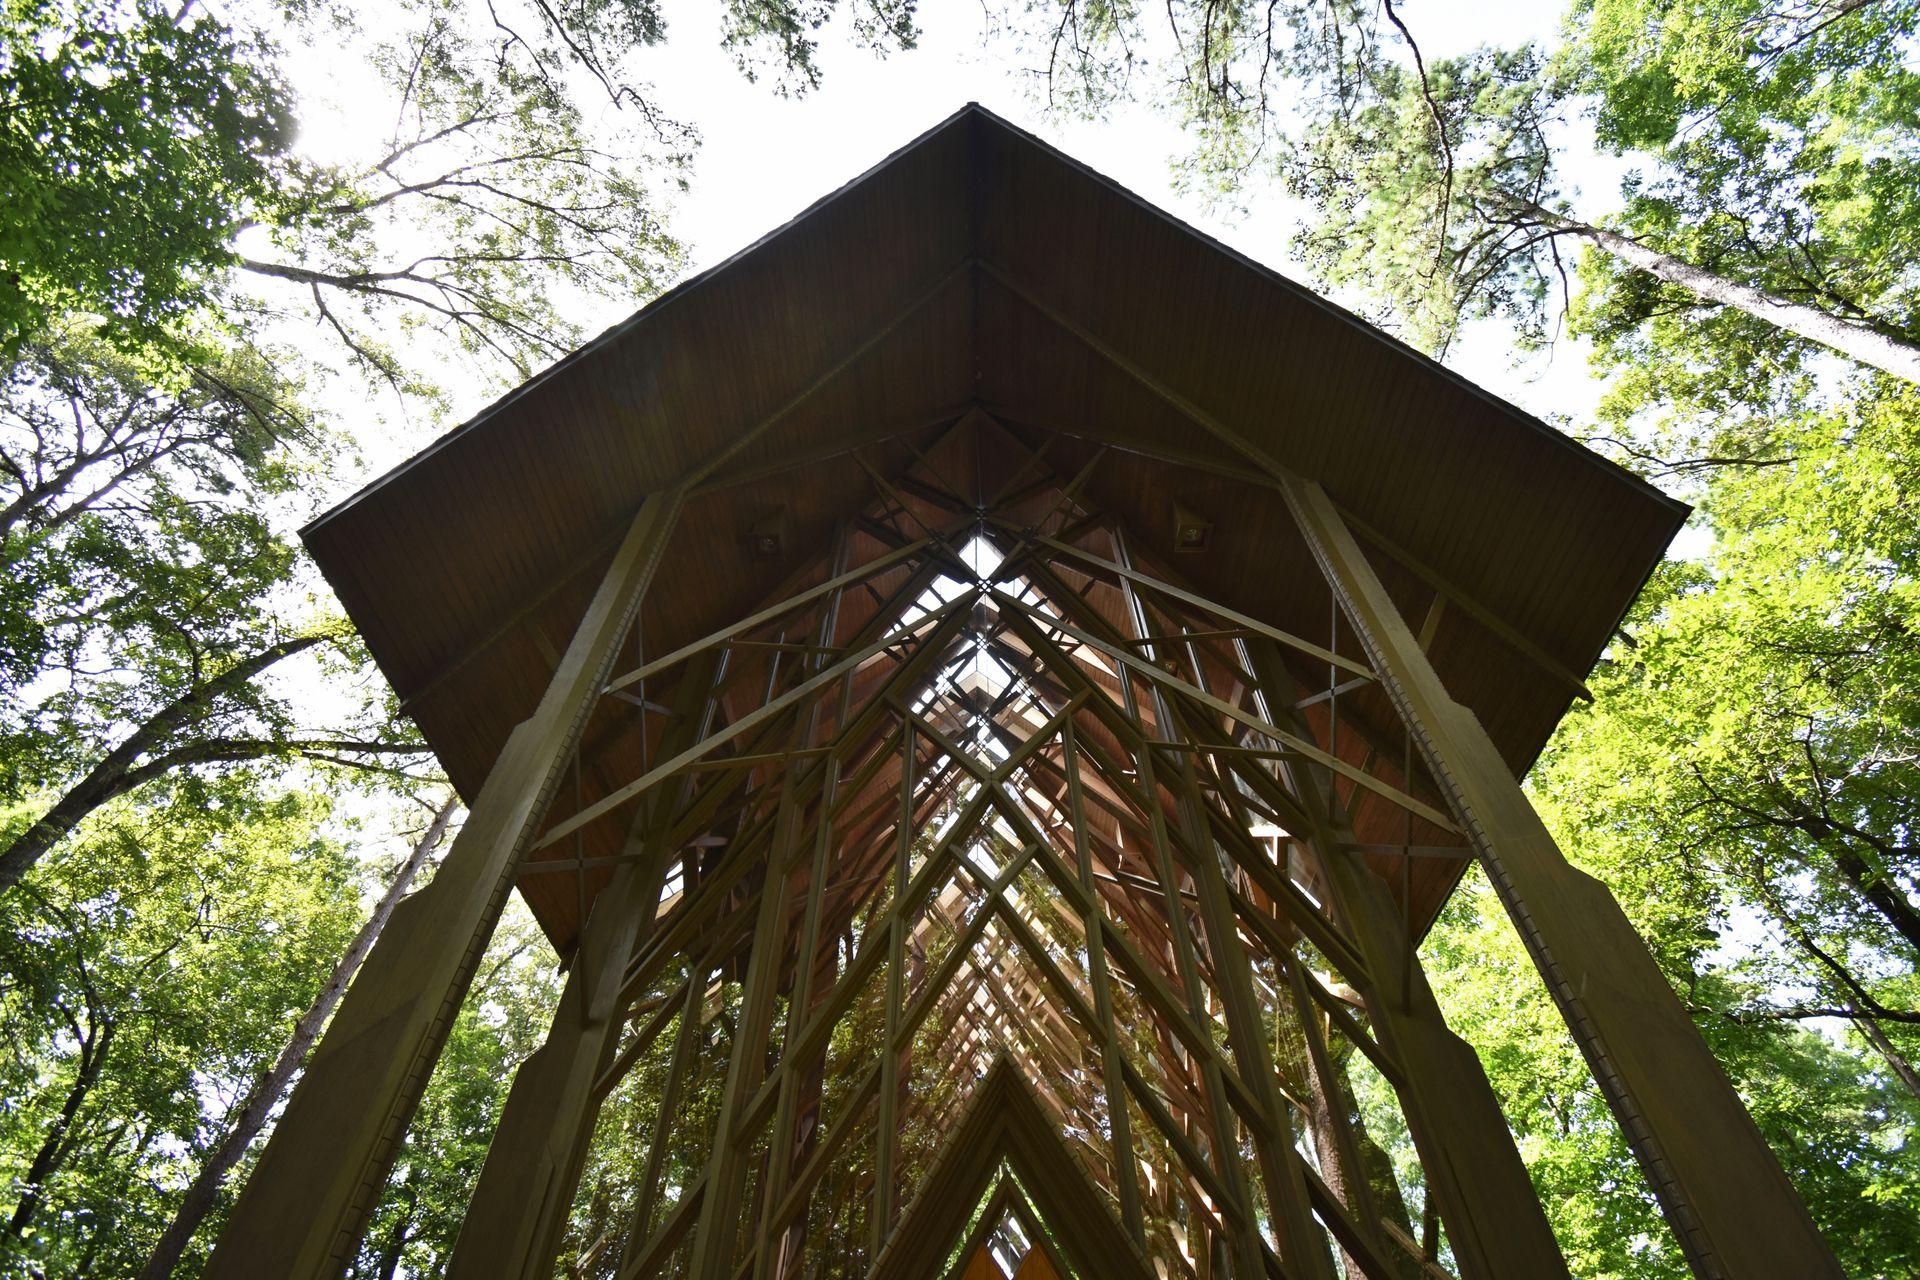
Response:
column 146, row 974
column 85, row 428
column 1459, row 164
column 1840, row 1128
column 147, row 593
column 491, row 198
column 1784, row 145
column 1438, row 187
column 155, row 190
column 1762, row 731
column 271, row 1087
column 1743, row 783
column 777, row 37
column 487, row 199
column 151, row 459
column 134, row 141
column 142, row 143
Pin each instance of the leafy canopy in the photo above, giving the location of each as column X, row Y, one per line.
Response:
column 150, row 970
column 134, row 144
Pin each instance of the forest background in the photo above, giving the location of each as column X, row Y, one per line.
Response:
column 252, row 254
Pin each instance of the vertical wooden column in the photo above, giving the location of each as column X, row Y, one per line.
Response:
column 305, row 1206
column 1724, row 1194
column 726, row 1172
column 685, row 1041
column 1302, row 1244
column 799, row 1089
column 1126, row 1168
column 1474, row 1172
column 1248, row 1249
column 886, row 1134
column 519, row 1207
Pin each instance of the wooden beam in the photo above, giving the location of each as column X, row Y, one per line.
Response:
column 761, row 617
column 880, row 1214
column 1276, row 474
column 1093, row 922
column 719, row 458
column 1292, row 742
column 519, row 1206
column 1731, row 1206
column 306, row 1203
column 928, row 624
column 1242, row 622
column 1302, row 1247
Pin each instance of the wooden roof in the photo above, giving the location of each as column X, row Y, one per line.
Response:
column 1004, row 1121
column 975, row 301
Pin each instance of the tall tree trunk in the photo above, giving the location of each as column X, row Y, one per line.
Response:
column 1877, row 1037
column 271, row 1086
column 58, row 1143
column 1880, row 890
column 1333, row 1169
column 1863, row 344
column 120, row 770
column 388, row 1263
column 1863, row 1007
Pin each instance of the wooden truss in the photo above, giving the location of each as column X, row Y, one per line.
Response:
column 992, row 864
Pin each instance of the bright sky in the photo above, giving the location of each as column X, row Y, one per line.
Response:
column 765, row 157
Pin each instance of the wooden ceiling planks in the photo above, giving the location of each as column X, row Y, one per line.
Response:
column 978, row 269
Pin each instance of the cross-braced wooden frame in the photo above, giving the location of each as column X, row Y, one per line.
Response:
column 1044, row 801
column 990, row 805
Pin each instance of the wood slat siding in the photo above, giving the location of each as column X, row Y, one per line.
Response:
column 509, row 519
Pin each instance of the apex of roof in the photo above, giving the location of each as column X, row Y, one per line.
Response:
column 979, row 278
column 983, row 121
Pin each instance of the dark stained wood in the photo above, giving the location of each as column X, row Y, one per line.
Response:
column 1096, row 854
column 464, row 567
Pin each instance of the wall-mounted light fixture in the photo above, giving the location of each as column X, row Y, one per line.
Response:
column 1190, row 532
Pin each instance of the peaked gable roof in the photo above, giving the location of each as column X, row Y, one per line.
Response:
column 1005, row 1121
column 979, row 278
